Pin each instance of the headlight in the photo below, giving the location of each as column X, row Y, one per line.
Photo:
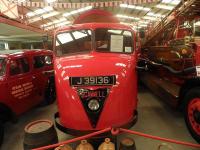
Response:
column 93, row 105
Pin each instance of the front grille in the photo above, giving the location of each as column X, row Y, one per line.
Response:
column 86, row 95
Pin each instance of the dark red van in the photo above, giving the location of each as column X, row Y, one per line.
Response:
column 24, row 81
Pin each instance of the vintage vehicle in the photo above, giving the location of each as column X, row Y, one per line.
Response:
column 24, row 82
column 172, row 55
column 95, row 74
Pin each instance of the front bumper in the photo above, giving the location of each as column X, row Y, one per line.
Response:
column 83, row 132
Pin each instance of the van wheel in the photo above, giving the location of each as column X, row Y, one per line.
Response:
column 192, row 112
column 50, row 94
column 1, row 133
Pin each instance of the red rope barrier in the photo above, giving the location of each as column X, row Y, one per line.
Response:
column 160, row 138
column 74, row 140
column 116, row 131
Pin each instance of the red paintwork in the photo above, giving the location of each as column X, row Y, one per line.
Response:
column 121, row 103
column 96, row 15
column 194, row 104
column 34, row 76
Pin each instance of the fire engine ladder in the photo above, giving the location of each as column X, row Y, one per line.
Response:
column 189, row 7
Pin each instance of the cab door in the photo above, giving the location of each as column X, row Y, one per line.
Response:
column 20, row 85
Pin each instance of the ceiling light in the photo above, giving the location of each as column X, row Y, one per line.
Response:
column 154, row 15
column 50, row 1
column 127, row 17
column 39, row 11
column 135, row 7
column 30, row 14
column 161, row 6
column 149, row 18
column 77, row 11
column 173, row 2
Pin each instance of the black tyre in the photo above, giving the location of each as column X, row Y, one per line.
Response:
column 192, row 112
column 50, row 93
column 1, row 133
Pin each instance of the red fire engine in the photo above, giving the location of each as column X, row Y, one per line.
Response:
column 95, row 74
column 171, row 53
column 23, row 83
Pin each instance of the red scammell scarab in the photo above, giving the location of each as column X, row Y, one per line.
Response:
column 95, row 73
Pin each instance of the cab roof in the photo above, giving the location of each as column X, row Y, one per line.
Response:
column 7, row 53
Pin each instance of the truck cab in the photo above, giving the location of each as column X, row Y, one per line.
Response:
column 24, row 82
column 95, row 74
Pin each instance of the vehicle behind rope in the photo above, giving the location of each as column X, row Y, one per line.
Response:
column 95, row 74
column 171, row 52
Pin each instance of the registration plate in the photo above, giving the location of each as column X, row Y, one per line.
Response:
column 92, row 80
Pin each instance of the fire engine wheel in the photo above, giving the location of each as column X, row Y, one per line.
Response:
column 1, row 133
column 50, row 94
column 192, row 112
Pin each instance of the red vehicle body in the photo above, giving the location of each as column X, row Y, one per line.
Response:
column 172, row 55
column 95, row 88
column 23, row 83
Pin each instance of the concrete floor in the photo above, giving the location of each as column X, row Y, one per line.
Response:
column 155, row 117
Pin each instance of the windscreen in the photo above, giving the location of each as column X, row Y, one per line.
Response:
column 2, row 66
column 75, row 41
column 111, row 40
column 197, row 28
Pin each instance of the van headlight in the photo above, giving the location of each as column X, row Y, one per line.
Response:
column 93, row 104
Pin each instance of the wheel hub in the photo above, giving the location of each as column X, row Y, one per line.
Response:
column 196, row 114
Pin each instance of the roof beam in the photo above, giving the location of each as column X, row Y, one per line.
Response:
column 20, row 25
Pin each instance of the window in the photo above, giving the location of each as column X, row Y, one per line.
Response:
column 73, row 42
column 19, row 66
column 111, row 40
column 2, row 66
column 41, row 61
column 197, row 28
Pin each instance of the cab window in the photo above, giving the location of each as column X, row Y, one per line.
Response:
column 113, row 40
column 41, row 61
column 2, row 66
column 19, row 66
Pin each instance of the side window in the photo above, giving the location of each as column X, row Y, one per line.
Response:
column 39, row 61
column 48, row 60
column 19, row 66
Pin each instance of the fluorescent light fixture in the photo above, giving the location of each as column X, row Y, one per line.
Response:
column 50, row 1
column 143, row 22
column 30, row 14
column 149, row 18
column 57, row 25
column 167, row 7
column 127, row 17
column 77, row 11
column 172, row 2
column 40, row 11
column 154, row 15
column 135, row 7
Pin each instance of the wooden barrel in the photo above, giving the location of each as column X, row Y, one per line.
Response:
column 39, row 133
column 127, row 144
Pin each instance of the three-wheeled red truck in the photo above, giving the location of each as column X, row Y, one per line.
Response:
column 172, row 54
column 24, row 82
column 95, row 74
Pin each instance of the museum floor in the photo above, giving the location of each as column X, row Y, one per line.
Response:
column 155, row 117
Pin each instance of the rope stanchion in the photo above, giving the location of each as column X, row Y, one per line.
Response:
column 74, row 140
column 160, row 138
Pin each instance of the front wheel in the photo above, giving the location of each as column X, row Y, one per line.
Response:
column 1, row 133
column 192, row 112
